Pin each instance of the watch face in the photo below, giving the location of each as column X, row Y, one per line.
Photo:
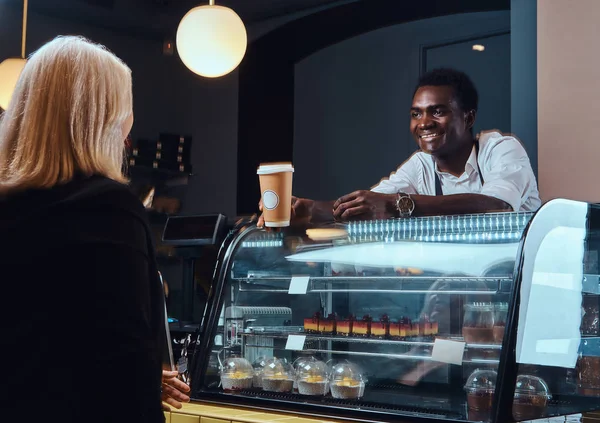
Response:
column 405, row 205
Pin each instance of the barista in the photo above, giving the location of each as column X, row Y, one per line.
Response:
column 454, row 172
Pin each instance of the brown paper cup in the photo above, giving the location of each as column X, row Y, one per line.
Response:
column 276, row 193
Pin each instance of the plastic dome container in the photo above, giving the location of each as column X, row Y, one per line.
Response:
column 236, row 374
column 257, row 368
column 278, row 376
column 480, row 387
column 347, row 381
column 299, row 362
column 531, row 398
column 312, row 377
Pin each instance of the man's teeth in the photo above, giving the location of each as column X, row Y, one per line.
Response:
column 429, row 135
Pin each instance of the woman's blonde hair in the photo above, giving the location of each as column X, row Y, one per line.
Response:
column 66, row 116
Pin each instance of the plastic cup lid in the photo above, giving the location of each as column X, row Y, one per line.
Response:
column 265, row 169
column 482, row 381
column 531, row 386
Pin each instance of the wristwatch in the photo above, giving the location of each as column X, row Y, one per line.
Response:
column 404, row 204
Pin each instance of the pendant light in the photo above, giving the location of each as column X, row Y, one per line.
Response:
column 211, row 40
column 10, row 69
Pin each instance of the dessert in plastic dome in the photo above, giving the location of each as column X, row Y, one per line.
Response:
column 346, row 381
column 236, row 374
column 312, row 377
column 531, row 398
column 257, row 367
column 480, row 387
column 278, row 376
column 299, row 362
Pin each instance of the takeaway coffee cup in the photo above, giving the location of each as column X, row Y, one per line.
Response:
column 276, row 193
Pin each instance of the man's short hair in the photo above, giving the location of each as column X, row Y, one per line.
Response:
column 465, row 92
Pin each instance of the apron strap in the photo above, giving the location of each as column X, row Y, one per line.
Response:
column 438, row 183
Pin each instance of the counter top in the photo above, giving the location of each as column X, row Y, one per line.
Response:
column 199, row 412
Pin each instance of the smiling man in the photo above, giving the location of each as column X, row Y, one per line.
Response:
column 454, row 172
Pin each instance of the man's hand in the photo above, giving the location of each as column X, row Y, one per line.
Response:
column 301, row 212
column 173, row 391
column 364, row 205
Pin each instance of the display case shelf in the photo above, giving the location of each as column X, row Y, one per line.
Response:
column 412, row 357
column 312, row 339
column 357, row 340
column 425, row 405
column 385, row 284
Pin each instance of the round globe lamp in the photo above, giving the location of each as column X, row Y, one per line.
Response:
column 211, row 40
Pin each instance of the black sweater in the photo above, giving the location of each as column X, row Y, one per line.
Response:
column 81, row 305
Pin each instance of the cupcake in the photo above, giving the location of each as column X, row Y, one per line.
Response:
column 312, row 378
column 346, row 381
column 278, row 376
column 480, row 387
column 236, row 374
column 529, row 403
column 258, row 367
column 298, row 363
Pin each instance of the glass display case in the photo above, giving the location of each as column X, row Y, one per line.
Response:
column 489, row 317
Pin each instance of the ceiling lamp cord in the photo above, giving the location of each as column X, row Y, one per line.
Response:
column 24, row 36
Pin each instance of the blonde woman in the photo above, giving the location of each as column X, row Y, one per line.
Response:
column 81, row 301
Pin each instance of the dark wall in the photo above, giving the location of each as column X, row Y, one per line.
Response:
column 266, row 84
column 352, row 99
column 523, row 21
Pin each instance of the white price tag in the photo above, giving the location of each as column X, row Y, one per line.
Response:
column 446, row 351
column 295, row 342
column 299, row 285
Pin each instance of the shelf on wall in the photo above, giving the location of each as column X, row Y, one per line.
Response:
column 163, row 177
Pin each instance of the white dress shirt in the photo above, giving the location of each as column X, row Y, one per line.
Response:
column 504, row 165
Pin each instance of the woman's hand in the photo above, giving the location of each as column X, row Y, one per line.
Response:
column 173, row 391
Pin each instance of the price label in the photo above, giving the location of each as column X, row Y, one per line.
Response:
column 295, row 342
column 299, row 285
column 446, row 351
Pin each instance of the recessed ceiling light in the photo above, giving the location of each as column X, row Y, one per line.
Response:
column 478, row 47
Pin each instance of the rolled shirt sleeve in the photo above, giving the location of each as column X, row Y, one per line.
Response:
column 507, row 172
column 404, row 179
